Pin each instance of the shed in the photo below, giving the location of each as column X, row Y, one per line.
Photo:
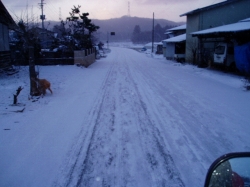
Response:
column 175, row 47
column 157, row 46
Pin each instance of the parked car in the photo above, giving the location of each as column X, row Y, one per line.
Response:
column 224, row 55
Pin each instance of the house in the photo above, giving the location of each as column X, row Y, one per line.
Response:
column 174, row 48
column 6, row 24
column 209, row 17
column 156, row 46
column 159, row 48
column 176, row 31
column 174, row 45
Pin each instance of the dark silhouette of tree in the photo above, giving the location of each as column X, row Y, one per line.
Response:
column 136, row 34
column 27, row 37
column 139, row 36
column 159, row 33
column 31, row 50
column 81, row 27
column 61, row 29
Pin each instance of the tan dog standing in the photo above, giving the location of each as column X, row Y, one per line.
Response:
column 42, row 85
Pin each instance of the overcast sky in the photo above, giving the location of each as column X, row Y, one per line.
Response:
column 105, row 9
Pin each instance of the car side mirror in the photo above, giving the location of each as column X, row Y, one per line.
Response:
column 229, row 170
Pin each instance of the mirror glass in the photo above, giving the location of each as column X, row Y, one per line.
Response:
column 234, row 172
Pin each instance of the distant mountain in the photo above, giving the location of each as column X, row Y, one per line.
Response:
column 123, row 27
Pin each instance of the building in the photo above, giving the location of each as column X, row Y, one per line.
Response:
column 174, row 48
column 176, row 31
column 232, row 44
column 174, row 45
column 209, row 17
column 6, row 24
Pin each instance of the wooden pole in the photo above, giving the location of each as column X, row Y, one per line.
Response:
column 153, row 32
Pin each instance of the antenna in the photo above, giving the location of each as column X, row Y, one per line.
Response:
column 128, row 9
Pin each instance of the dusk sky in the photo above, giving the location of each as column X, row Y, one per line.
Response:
column 100, row 9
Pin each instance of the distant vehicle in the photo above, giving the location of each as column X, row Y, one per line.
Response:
column 144, row 49
column 224, row 55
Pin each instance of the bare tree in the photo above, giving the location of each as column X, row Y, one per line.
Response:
column 193, row 47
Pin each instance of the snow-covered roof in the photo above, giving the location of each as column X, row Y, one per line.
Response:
column 155, row 43
column 181, row 27
column 248, row 19
column 168, row 32
column 242, row 25
column 212, row 6
column 179, row 38
column 159, row 43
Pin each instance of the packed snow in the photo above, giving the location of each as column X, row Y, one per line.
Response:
column 130, row 119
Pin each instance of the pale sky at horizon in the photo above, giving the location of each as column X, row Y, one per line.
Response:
column 53, row 9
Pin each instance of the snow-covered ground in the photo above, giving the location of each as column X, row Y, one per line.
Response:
column 127, row 120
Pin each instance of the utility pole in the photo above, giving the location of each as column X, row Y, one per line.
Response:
column 108, row 40
column 128, row 9
column 153, row 32
column 60, row 15
column 42, row 17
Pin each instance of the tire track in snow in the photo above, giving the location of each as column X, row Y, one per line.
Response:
column 157, row 155
column 123, row 146
column 188, row 130
column 79, row 153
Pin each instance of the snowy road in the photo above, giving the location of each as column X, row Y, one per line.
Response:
column 138, row 121
column 123, row 145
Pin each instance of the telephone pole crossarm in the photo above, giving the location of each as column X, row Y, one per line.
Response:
column 42, row 17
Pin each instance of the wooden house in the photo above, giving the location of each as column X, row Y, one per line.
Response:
column 6, row 24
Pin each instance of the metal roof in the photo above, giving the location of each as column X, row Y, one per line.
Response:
column 6, row 18
column 182, row 27
column 243, row 25
column 209, row 7
column 176, row 39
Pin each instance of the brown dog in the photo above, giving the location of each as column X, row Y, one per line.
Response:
column 42, row 85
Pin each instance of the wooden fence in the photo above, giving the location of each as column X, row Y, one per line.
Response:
column 81, row 58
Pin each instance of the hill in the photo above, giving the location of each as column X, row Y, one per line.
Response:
column 123, row 27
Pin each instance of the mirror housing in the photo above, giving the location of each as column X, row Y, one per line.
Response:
column 229, row 170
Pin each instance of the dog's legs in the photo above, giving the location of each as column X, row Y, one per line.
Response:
column 50, row 90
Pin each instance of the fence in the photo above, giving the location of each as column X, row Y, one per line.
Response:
column 81, row 57
column 55, row 61
column 85, row 57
